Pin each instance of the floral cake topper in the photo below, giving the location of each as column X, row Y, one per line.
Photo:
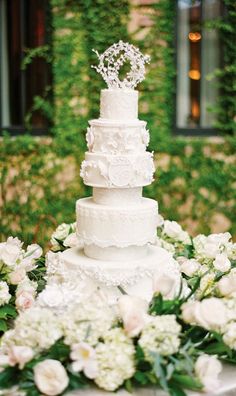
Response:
column 116, row 56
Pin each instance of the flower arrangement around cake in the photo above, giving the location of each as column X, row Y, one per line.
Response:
column 115, row 304
column 175, row 342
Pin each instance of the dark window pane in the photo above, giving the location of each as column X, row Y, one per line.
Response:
column 22, row 26
column 198, row 54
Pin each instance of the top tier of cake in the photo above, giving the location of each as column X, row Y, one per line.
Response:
column 119, row 104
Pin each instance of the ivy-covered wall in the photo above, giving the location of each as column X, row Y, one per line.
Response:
column 195, row 179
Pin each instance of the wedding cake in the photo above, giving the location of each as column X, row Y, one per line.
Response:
column 117, row 226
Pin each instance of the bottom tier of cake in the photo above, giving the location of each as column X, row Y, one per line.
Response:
column 134, row 277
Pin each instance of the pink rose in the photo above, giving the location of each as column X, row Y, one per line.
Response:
column 17, row 276
column 20, row 355
column 24, row 300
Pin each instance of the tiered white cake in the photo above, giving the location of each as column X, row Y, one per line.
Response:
column 117, row 225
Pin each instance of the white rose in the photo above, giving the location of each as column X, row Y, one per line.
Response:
column 207, row 369
column 72, row 240
column 50, row 377
column 20, row 355
column 227, row 284
column 222, row 263
column 211, row 313
column 160, row 220
column 188, row 311
column 229, row 336
column 11, row 251
column 165, row 284
column 51, row 296
column 133, row 311
column 172, row 229
column 27, row 286
column 5, row 296
column 35, row 251
column 17, row 276
column 190, row 267
column 61, row 233
column 24, row 300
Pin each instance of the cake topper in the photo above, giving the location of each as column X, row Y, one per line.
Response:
column 116, row 56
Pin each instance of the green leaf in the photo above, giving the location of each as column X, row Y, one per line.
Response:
column 8, row 311
column 159, row 371
column 8, row 377
column 187, row 382
column 128, row 386
column 3, row 325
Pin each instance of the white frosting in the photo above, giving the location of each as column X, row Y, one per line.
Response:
column 117, row 137
column 119, row 104
column 114, row 253
column 134, row 276
column 105, row 226
column 120, row 196
column 120, row 171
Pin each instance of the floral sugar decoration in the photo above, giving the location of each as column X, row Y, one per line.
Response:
column 116, row 56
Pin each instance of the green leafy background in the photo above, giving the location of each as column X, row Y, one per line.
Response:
column 196, row 177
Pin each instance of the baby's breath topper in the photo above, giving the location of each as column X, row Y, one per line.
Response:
column 116, row 56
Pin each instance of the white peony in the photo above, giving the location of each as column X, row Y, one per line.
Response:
column 84, row 359
column 20, row 355
column 227, row 284
column 222, row 263
column 207, row 369
column 189, row 267
column 133, row 311
column 166, row 285
column 50, row 377
column 160, row 335
column 11, row 251
column 5, row 296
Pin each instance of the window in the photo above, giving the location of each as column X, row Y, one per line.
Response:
column 198, row 55
column 23, row 24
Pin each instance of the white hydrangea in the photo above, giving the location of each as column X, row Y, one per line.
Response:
column 160, row 335
column 115, row 358
column 87, row 322
column 37, row 328
column 229, row 336
column 208, row 247
column 14, row 391
column 5, row 296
